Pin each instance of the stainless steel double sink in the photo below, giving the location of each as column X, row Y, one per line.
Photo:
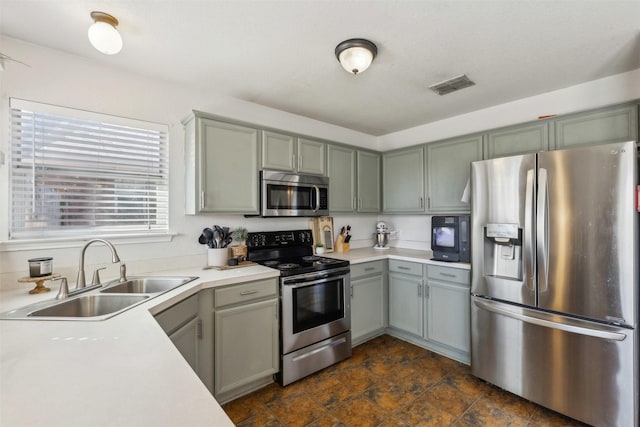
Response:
column 102, row 303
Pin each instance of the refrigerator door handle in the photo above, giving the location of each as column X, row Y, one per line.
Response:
column 529, row 234
column 542, row 231
column 519, row 314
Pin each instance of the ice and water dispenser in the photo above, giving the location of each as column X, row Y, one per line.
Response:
column 503, row 251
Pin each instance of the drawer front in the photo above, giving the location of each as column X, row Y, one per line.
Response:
column 177, row 315
column 246, row 292
column 455, row 275
column 367, row 269
column 405, row 267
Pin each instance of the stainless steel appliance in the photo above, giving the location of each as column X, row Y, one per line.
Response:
column 381, row 236
column 315, row 305
column 289, row 194
column 554, row 291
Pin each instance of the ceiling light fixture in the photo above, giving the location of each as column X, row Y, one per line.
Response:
column 103, row 34
column 355, row 55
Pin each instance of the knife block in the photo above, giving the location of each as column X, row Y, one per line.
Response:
column 340, row 245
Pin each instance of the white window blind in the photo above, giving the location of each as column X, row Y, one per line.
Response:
column 75, row 172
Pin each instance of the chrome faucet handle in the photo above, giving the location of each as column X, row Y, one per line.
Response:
column 64, row 287
column 123, row 272
column 96, row 276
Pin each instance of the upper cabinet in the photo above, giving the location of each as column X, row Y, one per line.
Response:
column 614, row 124
column 521, row 139
column 221, row 167
column 341, row 162
column 368, row 182
column 448, row 171
column 289, row 153
column 403, row 181
column 354, row 177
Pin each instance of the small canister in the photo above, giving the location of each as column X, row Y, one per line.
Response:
column 39, row 267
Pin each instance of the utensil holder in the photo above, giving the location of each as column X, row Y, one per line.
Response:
column 217, row 257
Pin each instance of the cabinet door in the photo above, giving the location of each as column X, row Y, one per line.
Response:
column 616, row 124
column 342, row 172
column 403, row 181
column 187, row 339
column 449, row 168
column 529, row 138
column 311, row 157
column 405, row 303
column 228, row 160
column 367, row 306
column 368, row 182
column 278, row 151
column 246, row 344
column 448, row 315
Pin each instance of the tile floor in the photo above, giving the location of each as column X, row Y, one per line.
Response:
column 389, row 382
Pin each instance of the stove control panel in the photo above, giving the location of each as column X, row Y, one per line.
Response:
column 280, row 238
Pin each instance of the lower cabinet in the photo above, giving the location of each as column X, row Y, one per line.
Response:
column 429, row 306
column 181, row 322
column 368, row 300
column 246, row 337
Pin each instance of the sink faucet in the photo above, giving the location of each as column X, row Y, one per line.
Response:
column 81, row 281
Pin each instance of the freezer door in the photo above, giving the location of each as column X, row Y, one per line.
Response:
column 503, row 229
column 587, row 232
column 583, row 369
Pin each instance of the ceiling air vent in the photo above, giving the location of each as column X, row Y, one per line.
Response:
column 451, row 85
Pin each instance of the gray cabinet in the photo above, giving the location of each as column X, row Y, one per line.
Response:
column 246, row 337
column 521, row 139
column 405, row 297
column 183, row 325
column 368, row 300
column 341, row 162
column 221, row 165
column 615, row 124
column 448, row 170
column 354, row 177
column 289, row 153
column 448, row 309
column 403, row 181
column 368, row 182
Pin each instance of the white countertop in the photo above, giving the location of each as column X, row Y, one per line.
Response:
column 123, row 370
column 356, row 256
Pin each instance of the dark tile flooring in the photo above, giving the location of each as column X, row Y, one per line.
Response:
column 389, row 382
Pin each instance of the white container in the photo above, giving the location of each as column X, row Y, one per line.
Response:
column 319, row 250
column 217, row 257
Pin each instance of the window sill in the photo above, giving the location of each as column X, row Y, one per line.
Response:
column 78, row 242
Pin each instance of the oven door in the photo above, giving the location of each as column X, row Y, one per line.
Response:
column 284, row 194
column 314, row 309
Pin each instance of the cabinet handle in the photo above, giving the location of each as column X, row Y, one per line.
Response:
column 199, row 329
column 420, row 290
column 421, row 202
column 351, row 290
column 202, row 200
column 426, row 291
column 354, row 204
column 366, row 269
column 429, row 202
column 243, row 293
column 403, row 268
column 447, row 275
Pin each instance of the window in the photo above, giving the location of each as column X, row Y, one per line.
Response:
column 77, row 173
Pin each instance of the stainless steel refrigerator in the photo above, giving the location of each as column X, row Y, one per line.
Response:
column 555, row 289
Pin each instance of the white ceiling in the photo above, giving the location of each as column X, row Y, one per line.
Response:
column 281, row 53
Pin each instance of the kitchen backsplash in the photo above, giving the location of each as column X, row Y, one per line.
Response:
column 183, row 250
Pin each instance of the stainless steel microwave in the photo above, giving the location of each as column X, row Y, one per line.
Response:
column 289, row 194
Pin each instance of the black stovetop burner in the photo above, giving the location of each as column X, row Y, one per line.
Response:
column 291, row 252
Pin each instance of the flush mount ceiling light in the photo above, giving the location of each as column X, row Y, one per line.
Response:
column 355, row 55
column 103, row 34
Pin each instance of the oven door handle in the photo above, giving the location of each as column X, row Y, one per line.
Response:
column 298, row 283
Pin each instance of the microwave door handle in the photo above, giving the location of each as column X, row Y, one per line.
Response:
column 317, row 207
